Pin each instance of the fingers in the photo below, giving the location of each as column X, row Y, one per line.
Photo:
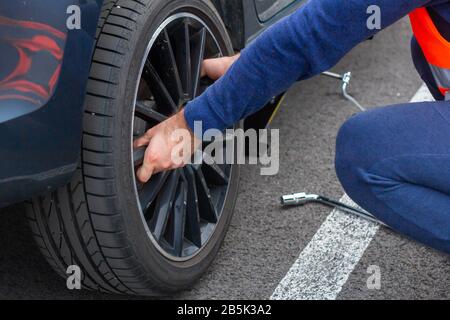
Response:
column 204, row 67
column 215, row 68
column 145, row 172
column 144, row 140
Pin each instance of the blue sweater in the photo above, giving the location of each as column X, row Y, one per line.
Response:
column 306, row 43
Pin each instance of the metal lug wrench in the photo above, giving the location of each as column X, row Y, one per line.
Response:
column 300, row 199
column 346, row 78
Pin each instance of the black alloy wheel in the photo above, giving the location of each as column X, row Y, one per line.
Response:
column 182, row 207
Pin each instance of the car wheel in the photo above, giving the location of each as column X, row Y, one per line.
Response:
column 127, row 237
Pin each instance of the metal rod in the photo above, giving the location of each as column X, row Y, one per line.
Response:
column 302, row 198
column 346, row 78
column 349, row 209
column 346, row 82
column 333, row 75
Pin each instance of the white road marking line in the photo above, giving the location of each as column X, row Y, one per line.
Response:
column 328, row 260
column 325, row 264
column 422, row 95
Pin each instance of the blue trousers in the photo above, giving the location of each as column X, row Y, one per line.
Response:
column 395, row 163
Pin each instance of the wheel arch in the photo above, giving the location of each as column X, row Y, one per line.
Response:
column 232, row 13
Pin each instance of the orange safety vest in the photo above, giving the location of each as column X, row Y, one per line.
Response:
column 434, row 46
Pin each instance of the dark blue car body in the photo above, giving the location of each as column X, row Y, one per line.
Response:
column 44, row 68
column 40, row 138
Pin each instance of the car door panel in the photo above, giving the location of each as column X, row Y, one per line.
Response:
column 267, row 9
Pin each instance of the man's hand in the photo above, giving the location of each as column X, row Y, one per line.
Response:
column 170, row 146
column 171, row 143
column 216, row 68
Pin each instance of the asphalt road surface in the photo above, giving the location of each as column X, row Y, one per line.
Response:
column 264, row 240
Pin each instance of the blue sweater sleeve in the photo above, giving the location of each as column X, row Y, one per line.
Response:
column 311, row 40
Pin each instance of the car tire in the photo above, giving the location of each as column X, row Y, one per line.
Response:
column 98, row 221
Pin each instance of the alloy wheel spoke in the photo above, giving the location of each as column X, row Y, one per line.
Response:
column 198, row 42
column 145, row 111
column 164, row 204
column 192, row 231
column 172, row 65
column 151, row 189
column 179, row 218
column 214, row 174
column 207, row 209
column 160, row 91
column 183, row 56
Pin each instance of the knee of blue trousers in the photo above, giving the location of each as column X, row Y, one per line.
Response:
column 359, row 147
column 355, row 157
column 352, row 156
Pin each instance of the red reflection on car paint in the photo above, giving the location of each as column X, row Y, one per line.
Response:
column 18, row 97
column 32, row 25
column 17, row 79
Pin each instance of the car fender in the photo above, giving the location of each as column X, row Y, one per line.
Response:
column 42, row 88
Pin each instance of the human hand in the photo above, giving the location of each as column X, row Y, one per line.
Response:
column 216, row 68
column 170, row 145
